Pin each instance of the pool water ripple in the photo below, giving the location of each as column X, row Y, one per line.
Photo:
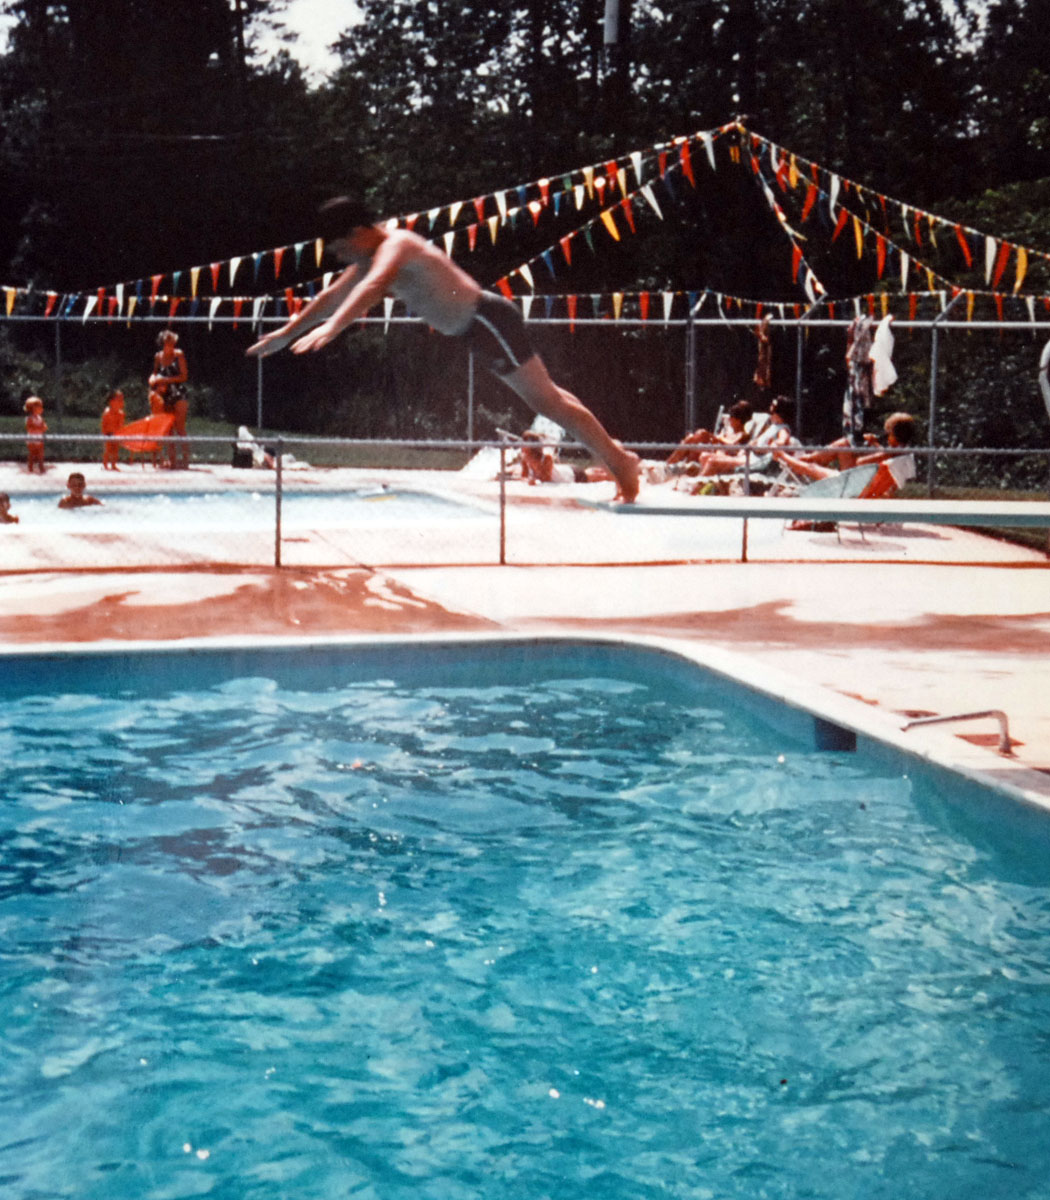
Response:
column 592, row 939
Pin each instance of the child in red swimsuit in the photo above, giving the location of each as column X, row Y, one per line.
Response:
column 36, row 427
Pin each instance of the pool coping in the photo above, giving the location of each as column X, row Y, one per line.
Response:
column 930, row 746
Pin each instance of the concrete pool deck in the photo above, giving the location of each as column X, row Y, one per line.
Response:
column 912, row 622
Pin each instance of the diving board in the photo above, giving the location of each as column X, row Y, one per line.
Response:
column 997, row 514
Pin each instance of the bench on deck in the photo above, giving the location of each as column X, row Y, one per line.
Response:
column 1003, row 514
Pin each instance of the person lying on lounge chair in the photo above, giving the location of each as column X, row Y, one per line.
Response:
column 896, row 466
column 696, row 445
column 900, row 430
column 773, row 433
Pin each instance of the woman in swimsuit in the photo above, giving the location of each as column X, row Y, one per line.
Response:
column 169, row 380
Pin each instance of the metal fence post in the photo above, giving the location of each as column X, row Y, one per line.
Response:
column 278, row 495
column 503, row 506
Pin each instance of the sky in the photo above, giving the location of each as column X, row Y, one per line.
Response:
column 317, row 23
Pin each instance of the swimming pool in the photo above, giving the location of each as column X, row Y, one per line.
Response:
column 457, row 920
column 243, row 509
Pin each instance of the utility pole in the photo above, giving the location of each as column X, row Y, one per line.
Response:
column 617, row 61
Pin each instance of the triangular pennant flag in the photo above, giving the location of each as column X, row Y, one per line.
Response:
column 472, row 236
column 449, row 240
column 647, row 192
column 596, row 304
column 858, row 234
column 237, row 306
column 687, row 165
column 628, row 212
column 905, row 263
column 479, row 207
column 566, row 248
column 50, row 304
column 545, row 191
column 636, row 164
column 643, row 305
column 709, row 146
column 578, row 194
column 454, row 211
column 840, row 224
column 1001, row 259
column 501, row 204
column 195, row 275
column 175, row 282
column 132, row 303
column 257, row 258
column 1022, row 267
column 234, row 264
column 154, row 286
column 526, row 305
column 119, row 289
column 535, row 208
column 213, row 308
column 880, row 253
column 610, row 224
column 388, row 309
column 504, row 286
column 432, row 217
column 588, row 180
column 548, row 261
column 570, row 302
column 617, row 305
column 990, row 251
column 278, row 259
column 526, row 274
column 493, row 226
column 89, row 307
column 258, row 306
column 173, row 305
column 215, row 269
column 964, row 244
column 9, row 294
column 318, row 251
column 668, row 298
column 833, row 194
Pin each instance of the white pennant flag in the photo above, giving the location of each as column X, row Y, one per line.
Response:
column 647, row 192
column 991, row 248
column 526, row 305
column 668, row 301
column 388, row 308
column 213, row 308
column 709, row 146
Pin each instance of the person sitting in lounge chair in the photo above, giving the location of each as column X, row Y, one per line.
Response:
column 697, row 445
column 900, row 430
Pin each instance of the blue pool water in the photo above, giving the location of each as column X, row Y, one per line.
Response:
column 121, row 512
column 524, row 923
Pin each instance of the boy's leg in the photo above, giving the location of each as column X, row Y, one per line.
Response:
column 534, row 385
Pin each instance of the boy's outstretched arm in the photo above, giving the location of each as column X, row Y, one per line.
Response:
column 318, row 310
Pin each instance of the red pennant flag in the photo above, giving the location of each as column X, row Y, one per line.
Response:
column 173, row 307
column 871, row 305
column 101, row 298
column 278, row 258
column 479, row 207
column 661, row 159
column 880, row 249
column 472, row 236
column 782, row 173
column 610, row 173
column 840, row 225
column 687, row 166
column 155, row 282
column 918, row 231
column 410, row 221
column 571, row 301
column 965, row 245
column 831, row 311
column 112, row 305
column 566, row 249
column 215, row 269
column 49, row 307
column 289, row 299
column 237, row 306
column 504, row 287
column 796, row 259
column 1000, row 263
column 643, row 305
column 811, row 199
column 797, row 308
column 755, row 168
column 628, row 212
column 545, row 191
column 999, row 307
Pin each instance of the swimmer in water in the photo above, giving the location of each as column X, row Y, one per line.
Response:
column 384, row 262
column 7, row 517
column 77, row 496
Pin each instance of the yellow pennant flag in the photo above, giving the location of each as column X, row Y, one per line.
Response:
column 195, row 274
column 10, row 294
column 858, row 234
column 493, row 226
column 588, row 179
column 1022, row 267
column 610, row 224
column 969, row 305
column 617, row 305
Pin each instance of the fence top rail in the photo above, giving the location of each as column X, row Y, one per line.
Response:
column 249, row 322
column 282, row 441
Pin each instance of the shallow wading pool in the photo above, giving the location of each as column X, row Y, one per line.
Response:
column 485, row 919
column 242, row 510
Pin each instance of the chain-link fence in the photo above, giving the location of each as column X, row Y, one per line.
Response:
column 290, row 503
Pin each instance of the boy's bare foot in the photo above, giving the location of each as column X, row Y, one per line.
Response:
column 627, row 477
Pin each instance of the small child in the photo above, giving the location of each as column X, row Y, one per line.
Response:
column 36, row 427
column 77, row 497
column 7, row 517
column 112, row 423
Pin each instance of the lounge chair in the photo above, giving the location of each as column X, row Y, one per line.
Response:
column 869, row 481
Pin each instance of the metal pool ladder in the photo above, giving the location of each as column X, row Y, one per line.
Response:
column 1004, row 746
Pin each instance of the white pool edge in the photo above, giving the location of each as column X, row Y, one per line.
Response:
column 933, row 746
